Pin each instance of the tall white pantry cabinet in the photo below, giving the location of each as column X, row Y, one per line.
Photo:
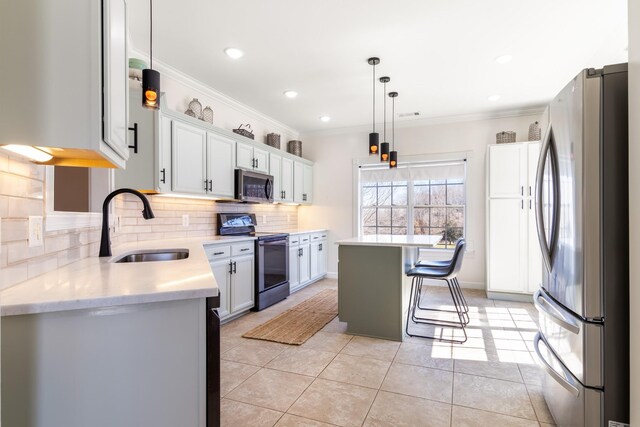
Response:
column 514, row 260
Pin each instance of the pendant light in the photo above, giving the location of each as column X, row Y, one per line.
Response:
column 393, row 156
column 374, row 138
column 150, row 77
column 384, row 147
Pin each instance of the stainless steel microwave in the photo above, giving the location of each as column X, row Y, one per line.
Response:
column 253, row 187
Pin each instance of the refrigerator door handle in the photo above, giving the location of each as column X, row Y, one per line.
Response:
column 565, row 379
column 548, row 148
column 555, row 312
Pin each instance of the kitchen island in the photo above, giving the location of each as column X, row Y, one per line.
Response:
column 373, row 291
column 103, row 343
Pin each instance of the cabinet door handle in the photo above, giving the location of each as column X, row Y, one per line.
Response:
column 210, row 185
column 206, row 185
column 529, row 204
column 522, row 190
column 230, row 267
column 164, row 176
column 300, row 252
column 257, row 163
column 529, row 191
column 234, row 267
column 135, row 138
column 320, row 247
column 521, row 204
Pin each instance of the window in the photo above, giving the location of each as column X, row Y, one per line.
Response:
column 425, row 199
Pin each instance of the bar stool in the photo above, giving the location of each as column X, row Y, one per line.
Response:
column 445, row 264
column 448, row 274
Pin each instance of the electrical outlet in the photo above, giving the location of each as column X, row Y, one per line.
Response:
column 264, row 219
column 185, row 220
column 36, row 237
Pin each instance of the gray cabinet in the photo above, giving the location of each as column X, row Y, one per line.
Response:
column 65, row 79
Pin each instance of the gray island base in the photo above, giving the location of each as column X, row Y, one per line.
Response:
column 373, row 289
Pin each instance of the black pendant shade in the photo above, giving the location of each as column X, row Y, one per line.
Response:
column 384, row 147
column 150, row 77
column 393, row 155
column 150, row 89
column 393, row 159
column 374, row 138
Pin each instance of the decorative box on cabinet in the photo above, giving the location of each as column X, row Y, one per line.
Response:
column 514, row 262
column 71, row 90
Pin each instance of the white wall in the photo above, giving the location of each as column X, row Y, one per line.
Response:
column 334, row 155
column 634, row 204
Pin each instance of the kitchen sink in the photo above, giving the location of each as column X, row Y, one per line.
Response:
column 153, row 255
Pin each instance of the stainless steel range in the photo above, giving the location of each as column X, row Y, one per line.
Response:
column 271, row 259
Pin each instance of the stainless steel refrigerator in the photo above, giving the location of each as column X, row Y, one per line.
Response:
column 583, row 229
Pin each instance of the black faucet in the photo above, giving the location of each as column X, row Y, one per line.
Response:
column 147, row 213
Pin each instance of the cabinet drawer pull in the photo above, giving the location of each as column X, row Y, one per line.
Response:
column 522, row 190
column 164, row 176
column 135, row 138
column 218, row 253
column 244, row 250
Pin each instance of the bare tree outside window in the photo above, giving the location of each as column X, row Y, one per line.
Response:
column 434, row 207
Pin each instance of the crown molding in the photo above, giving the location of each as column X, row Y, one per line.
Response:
column 431, row 121
column 216, row 95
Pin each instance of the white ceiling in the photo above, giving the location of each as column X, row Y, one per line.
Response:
column 439, row 54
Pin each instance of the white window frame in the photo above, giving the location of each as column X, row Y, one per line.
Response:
column 56, row 220
column 404, row 160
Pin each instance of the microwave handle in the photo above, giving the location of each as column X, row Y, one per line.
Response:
column 268, row 188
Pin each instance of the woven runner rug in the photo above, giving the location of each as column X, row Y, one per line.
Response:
column 298, row 324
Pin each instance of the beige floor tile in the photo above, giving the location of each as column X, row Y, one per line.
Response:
column 396, row 410
column 363, row 371
column 238, row 414
column 328, row 341
column 372, row 347
column 531, row 373
column 493, row 395
column 289, row 420
column 333, row 402
column 271, row 389
column 227, row 343
column 428, row 356
column 233, row 374
column 539, row 404
column 501, row 371
column 428, row 383
column 254, row 352
column 467, row 417
column 305, row 361
column 335, row 326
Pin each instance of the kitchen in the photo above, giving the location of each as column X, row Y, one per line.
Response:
column 239, row 94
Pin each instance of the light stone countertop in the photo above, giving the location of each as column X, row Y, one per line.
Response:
column 296, row 232
column 96, row 282
column 425, row 241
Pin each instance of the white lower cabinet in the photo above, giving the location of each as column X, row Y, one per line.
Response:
column 233, row 268
column 307, row 259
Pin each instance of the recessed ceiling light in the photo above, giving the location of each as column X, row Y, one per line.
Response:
column 234, row 53
column 325, row 118
column 493, row 98
column 503, row 59
column 290, row 93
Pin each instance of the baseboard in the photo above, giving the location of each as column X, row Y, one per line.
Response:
column 331, row 275
column 508, row 296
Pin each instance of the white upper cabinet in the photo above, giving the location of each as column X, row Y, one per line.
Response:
column 302, row 183
column 64, row 82
column 287, row 180
column 189, row 155
column 221, row 156
column 252, row 158
column 275, row 169
column 507, row 170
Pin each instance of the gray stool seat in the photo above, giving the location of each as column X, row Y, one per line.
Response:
column 449, row 275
